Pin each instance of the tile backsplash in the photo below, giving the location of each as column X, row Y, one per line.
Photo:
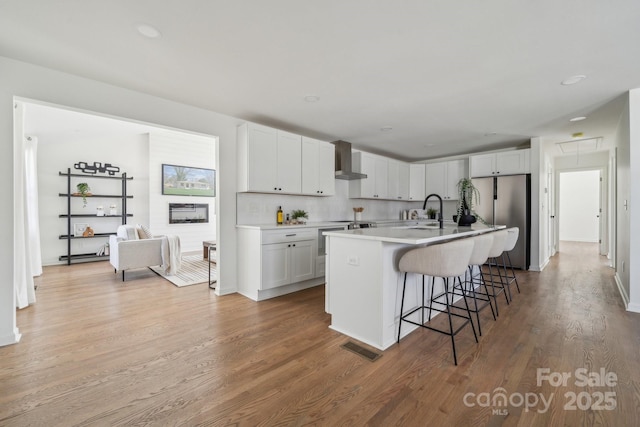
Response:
column 258, row 208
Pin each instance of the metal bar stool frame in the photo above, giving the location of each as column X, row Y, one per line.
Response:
column 498, row 284
column 448, row 308
column 474, row 283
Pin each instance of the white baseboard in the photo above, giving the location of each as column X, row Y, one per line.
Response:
column 623, row 293
column 633, row 307
column 11, row 339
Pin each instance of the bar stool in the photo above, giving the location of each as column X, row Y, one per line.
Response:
column 474, row 281
column 512, row 239
column 444, row 260
column 499, row 240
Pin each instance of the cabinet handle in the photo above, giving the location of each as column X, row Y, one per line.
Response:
column 290, row 235
column 293, row 245
column 288, row 246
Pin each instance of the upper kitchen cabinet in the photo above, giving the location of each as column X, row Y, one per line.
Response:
column 269, row 160
column 398, row 180
column 417, row 181
column 318, row 167
column 375, row 185
column 442, row 178
column 505, row 163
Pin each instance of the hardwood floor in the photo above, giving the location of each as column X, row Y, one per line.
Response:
column 97, row 351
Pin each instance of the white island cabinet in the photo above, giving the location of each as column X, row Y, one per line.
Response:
column 364, row 286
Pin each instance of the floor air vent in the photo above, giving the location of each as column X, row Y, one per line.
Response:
column 371, row 356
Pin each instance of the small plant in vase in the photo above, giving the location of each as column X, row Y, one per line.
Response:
column 468, row 196
column 84, row 191
column 299, row 216
column 431, row 213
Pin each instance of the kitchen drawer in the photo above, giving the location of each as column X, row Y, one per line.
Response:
column 291, row 235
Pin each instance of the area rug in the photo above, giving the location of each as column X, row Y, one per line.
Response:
column 194, row 270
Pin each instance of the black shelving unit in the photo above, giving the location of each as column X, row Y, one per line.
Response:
column 69, row 237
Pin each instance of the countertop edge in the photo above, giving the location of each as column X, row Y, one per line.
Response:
column 353, row 234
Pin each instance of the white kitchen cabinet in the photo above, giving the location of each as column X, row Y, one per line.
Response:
column 303, row 260
column 269, row 160
column 286, row 263
column 397, row 180
column 504, row 163
column 417, row 181
column 375, row 185
column 276, row 261
column 276, row 270
column 318, row 167
column 442, row 178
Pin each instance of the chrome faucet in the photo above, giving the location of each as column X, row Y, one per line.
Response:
column 424, row 206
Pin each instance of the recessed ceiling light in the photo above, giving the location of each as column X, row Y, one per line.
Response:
column 577, row 119
column 386, row 129
column 312, row 98
column 573, row 80
column 148, row 31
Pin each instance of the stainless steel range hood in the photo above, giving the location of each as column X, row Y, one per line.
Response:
column 343, row 162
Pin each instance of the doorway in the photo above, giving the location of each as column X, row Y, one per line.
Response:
column 580, row 206
column 67, row 137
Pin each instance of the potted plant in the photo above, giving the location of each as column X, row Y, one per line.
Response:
column 299, row 216
column 84, row 191
column 431, row 213
column 468, row 196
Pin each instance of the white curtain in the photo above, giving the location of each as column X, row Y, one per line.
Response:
column 27, row 256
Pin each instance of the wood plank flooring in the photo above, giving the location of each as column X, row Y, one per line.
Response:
column 97, row 351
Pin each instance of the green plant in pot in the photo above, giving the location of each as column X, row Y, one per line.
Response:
column 299, row 215
column 468, row 196
column 84, row 191
column 431, row 213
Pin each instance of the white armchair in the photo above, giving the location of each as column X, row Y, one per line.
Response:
column 127, row 252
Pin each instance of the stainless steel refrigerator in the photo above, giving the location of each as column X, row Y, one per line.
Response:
column 506, row 200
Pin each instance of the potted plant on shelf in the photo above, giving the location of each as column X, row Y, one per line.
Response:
column 84, row 191
column 468, row 196
column 299, row 216
column 431, row 213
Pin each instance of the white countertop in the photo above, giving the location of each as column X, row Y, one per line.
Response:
column 414, row 236
column 271, row 226
column 321, row 224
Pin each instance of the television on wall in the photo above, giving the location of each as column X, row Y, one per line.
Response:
column 188, row 181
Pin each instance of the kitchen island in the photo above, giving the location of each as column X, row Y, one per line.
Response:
column 363, row 284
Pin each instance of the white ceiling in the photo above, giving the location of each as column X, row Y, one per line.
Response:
column 445, row 75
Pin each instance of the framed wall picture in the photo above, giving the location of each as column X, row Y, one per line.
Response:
column 79, row 229
column 188, row 181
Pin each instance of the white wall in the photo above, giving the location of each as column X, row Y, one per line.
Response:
column 623, row 191
column 579, row 198
column 24, row 80
column 181, row 150
column 634, row 197
column 56, row 153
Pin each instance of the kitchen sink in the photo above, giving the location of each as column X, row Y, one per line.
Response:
column 425, row 226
